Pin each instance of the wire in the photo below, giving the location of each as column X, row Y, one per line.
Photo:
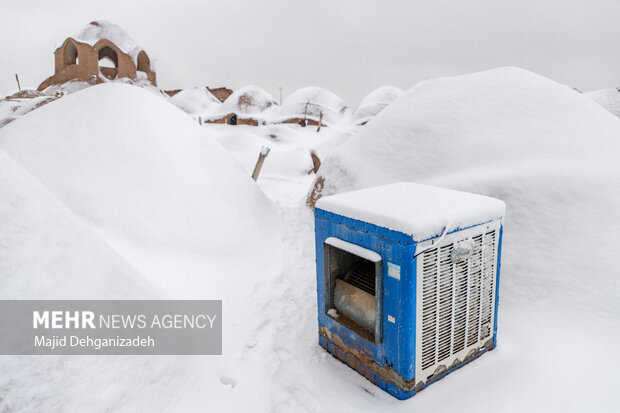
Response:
column 433, row 245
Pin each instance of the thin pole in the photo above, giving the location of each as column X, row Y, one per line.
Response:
column 259, row 162
column 18, row 85
column 318, row 129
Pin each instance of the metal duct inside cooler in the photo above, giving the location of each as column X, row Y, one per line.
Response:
column 353, row 284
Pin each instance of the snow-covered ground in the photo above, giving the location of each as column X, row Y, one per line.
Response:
column 141, row 201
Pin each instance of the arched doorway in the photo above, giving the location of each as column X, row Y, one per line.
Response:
column 71, row 55
column 144, row 64
column 233, row 120
column 108, row 62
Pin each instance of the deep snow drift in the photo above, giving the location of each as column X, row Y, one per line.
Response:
column 552, row 155
column 134, row 200
column 134, row 165
column 46, row 252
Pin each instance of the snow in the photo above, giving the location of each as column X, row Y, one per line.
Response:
column 129, row 168
column 11, row 108
column 607, row 98
column 551, row 154
column 133, row 200
column 102, row 29
column 421, row 211
column 112, row 192
column 66, row 88
column 49, row 253
column 353, row 249
column 196, row 101
column 311, row 101
column 22, row 102
column 375, row 102
column 248, row 100
column 286, row 173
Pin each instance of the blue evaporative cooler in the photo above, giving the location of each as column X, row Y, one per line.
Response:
column 407, row 281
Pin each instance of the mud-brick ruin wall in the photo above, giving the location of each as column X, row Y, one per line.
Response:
column 77, row 60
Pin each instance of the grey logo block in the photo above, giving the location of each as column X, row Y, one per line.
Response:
column 111, row 327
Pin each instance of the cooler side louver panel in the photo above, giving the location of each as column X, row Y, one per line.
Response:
column 429, row 309
column 446, row 278
column 460, row 305
column 456, row 299
column 475, row 278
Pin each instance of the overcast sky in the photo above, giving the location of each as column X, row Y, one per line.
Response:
column 347, row 46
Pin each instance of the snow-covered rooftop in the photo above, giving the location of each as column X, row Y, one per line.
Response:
column 102, row 29
column 196, row 101
column 248, row 100
column 421, row 211
column 310, row 102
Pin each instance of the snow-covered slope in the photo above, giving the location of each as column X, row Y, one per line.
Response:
column 607, row 98
column 12, row 107
column 46, row 252
column 375, row 102
column 134, row 200
column 134, row 165
column 552, row 155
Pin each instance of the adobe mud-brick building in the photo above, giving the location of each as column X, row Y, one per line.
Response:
column 100, row 51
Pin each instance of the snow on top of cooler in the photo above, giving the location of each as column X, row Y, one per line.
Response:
column 421, row 211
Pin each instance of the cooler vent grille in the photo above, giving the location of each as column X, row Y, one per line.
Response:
column 457, row 299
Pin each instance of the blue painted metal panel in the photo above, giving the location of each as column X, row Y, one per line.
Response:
column 499, row 264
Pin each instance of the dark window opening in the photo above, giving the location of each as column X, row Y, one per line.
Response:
column 108, row 62
column 353, row 290
column 233, row 120
column 71, row 55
